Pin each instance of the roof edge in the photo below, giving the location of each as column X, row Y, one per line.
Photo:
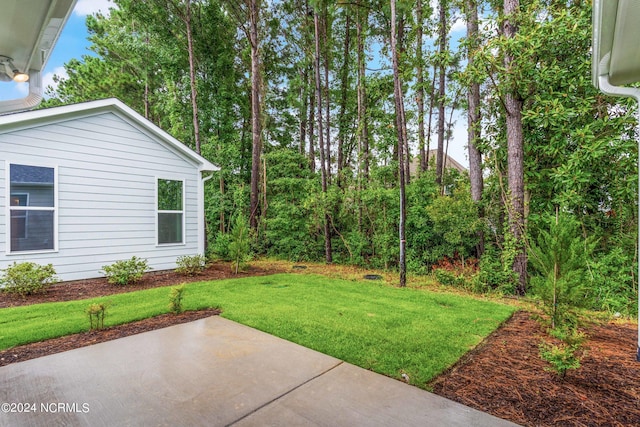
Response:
column 66, row 112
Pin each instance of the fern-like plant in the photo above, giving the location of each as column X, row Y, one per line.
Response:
column 559, row 259
column 240, row 244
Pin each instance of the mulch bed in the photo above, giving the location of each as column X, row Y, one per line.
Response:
column 503, row 376
column 58, row 345
column 91, row 288
column 506, row 377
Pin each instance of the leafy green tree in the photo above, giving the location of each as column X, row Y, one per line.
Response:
column 291, row 195
column 456, row 223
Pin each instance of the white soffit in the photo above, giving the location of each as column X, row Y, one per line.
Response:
column 616, row 41
column 29, row 30
column 625, row 53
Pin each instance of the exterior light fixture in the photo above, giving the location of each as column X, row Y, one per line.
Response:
column 19, row 77
column 11, row 72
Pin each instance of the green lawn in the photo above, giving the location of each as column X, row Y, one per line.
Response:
column 385, row 329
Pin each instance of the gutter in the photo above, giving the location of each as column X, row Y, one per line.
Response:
column 28, row 102
column 630, row 92
column 204, row 177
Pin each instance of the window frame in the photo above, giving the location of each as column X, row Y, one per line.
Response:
column 182, row 212
column 27, row 209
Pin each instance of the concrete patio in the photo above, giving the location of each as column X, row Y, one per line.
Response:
column 214, row 372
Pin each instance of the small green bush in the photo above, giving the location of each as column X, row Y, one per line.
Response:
column 125, row 272
column 240, row 244
column 568, row 354
column 27, row 278
column 220, row 246
column 175, row 299
column 191, row 265
column 96, row 313
column 449, row 278
column 561, row 358
column 495, row 272
column 613, row 285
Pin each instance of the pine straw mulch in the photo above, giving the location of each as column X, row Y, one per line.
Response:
column 506, row 377
column 503, row 376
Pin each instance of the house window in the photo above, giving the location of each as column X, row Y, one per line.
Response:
column 170, row 211
column 32, row 208
column 19, row 218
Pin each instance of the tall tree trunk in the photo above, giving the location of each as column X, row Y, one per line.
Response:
column 400, row 124
column 192, row 75
column 515, row 153
column 147, row 102
column 303, row 110
column 222, row 220
column 312, row 95
column 473, row 116
column 344, row 83
column 327, row 99
column 442, row 30
column 256, row 128
column 363, row 131
column 449, row 130
column 432, row 96
column 312, row 130
column 401, row 49
column 323, row 166
column 420, row 89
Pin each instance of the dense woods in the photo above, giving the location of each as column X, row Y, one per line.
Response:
column 331, row 121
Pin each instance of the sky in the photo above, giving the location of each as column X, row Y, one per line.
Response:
column 73, row 43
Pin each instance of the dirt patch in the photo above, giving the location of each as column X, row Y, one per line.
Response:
column 504, row 376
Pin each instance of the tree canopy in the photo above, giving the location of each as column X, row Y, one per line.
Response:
column 315, row 131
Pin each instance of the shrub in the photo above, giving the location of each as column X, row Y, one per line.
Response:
column 175, row 299
column 96, row 313
column 495, row 272
column 190, row 265
column 565, row 356
column 27, row 278
column 220, row 246
column 613, row 282
column 454, row 272
column 561, row 357
column 240, row 244
column 449, row 278
column 559, row 258
column 125, row 272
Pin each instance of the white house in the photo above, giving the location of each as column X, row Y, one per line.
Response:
column 84, row 185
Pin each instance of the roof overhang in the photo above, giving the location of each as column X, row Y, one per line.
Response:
column 28, row 119
column 29, row 29
column 616, row 41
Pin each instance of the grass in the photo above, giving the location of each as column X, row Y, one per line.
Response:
column 388, row 330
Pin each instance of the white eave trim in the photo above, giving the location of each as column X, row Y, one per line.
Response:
column 67, row 112
column 615, row 38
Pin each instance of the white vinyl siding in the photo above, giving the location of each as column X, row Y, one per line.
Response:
column 107, row 169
